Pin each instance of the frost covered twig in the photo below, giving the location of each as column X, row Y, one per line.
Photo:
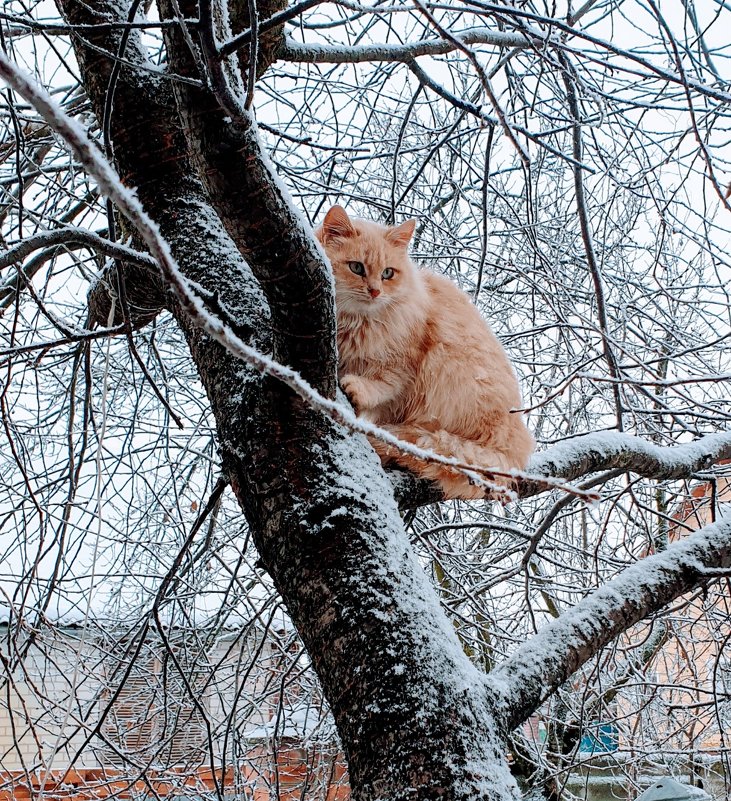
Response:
column 557, row 24
column 80, row 336
column 586, row 233
column 349, row 54
column 484, row 80
column 71, row 235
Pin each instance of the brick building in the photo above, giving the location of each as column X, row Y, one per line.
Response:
column 88, row 715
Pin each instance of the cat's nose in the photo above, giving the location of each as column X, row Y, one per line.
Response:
column 374, row 292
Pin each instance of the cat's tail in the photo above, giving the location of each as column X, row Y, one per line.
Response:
column 514, row 454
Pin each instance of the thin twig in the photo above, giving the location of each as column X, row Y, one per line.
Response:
column 243, row 38
column 253, row 53
column 484, row 80
column 81, row 336
column 586, row 235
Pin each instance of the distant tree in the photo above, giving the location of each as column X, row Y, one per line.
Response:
column 566, row 166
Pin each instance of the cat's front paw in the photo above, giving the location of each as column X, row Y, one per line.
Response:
column 356, row 388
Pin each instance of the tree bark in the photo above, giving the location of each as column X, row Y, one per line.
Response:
column 257, row 212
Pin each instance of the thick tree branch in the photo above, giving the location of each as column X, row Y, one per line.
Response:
column 580, row 456
column 54, row 242
column 272, row 14
column 292, row 50
column 151, row 153
column 536, row 669
column 577, row 457
column 258, row 214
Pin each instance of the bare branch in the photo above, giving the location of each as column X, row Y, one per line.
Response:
column 72, row 236
column 358, row 54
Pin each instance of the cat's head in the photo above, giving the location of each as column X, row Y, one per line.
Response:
column 370, row 262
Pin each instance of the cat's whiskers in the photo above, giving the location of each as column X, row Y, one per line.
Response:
column 359, row 303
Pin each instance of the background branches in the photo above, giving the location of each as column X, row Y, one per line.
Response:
column 615, row 312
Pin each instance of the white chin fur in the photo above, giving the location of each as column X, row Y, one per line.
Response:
column 359, row 305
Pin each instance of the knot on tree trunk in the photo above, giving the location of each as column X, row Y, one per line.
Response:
column 143, row 290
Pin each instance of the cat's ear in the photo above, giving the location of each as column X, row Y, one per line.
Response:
column 400, row 235
column 337, row 224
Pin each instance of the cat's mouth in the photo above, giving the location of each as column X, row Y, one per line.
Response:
column 360, row 302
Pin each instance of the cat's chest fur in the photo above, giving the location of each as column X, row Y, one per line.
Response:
column 367, row 344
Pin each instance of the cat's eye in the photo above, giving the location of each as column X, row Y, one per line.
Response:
column 357, row 267
column 387, row 273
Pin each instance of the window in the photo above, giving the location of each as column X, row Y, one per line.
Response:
column 152, row 717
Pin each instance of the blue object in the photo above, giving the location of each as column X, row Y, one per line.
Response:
column 603, row 739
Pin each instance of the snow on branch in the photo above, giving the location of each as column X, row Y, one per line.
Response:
column 144, row 295
column 608, row 450
column 549, row 658
column 562, row 35
column 71, row 236
column 591, row 453
column 50, row 242
column 318, row 53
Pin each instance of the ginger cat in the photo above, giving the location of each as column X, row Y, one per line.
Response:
column 417, row 359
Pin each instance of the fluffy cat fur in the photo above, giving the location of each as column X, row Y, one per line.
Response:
column 417, row 358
